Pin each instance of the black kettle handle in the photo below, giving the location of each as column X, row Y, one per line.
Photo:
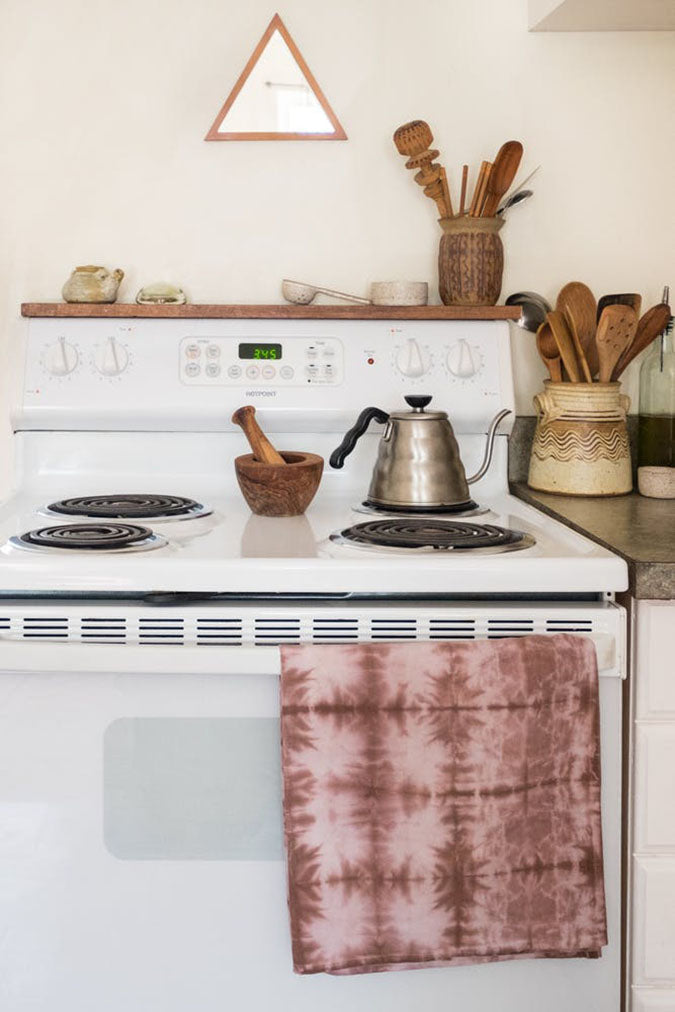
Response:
column 337, row 457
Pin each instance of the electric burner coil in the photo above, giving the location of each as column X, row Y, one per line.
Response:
column 123, row 506
column 88, row 537
column 412, row 534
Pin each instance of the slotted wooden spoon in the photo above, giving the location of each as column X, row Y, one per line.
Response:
column 651, row 324
column 501, row 175
column 563, row 339
column 548, row 351
column 616, row 330
column 578, row 302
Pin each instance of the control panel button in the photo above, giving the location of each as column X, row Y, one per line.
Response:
column 61, row 358
column 311, row 352
column 234, row 372
column 212, row 369
column 268, row 372
column 329, row 351
column 328, row 370
column 192, row 369
column 287, row 372
column 193, row 351
column 312, row 370
column 213, row 351
column 252, row 371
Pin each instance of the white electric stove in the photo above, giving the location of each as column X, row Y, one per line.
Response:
column 140, row 805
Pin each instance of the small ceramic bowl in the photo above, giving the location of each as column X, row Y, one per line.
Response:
column 399, row 293
column 657, row 482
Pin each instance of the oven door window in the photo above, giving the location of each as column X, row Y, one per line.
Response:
column 193, row 789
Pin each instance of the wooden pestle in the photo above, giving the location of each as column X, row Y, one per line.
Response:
column 415, row 139
column 260, row 444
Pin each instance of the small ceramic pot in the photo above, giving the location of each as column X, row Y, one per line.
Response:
column 470, row 261
column 92, row 284
column 581, row 443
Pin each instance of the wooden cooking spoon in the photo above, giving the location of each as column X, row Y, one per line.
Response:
column 260, row 444
column 576, row 341
column 577, row 301
column 615, row 332
column 563, row 339
column 501, row 175
column 548, row 351
column 651, row 324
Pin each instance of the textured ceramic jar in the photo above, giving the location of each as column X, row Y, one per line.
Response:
column 581, row 442
column 470, row 261
column 92, row 283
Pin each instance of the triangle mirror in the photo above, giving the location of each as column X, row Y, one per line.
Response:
column 276, row 97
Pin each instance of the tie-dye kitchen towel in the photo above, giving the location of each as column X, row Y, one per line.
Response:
column 442, row 802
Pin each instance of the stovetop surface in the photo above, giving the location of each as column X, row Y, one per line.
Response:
column 232, row 550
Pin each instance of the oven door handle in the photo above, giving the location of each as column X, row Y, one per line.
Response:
column 85, row 658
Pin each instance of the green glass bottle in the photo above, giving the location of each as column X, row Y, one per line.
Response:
column 656, row 425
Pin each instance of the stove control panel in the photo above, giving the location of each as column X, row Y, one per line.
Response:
column 234, row 362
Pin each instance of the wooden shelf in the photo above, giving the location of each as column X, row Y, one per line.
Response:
column 192, row 311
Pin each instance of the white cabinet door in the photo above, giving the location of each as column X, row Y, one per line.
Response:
column 649, row 1000
column 654, row 921
column 655, row 675
column 654, row 805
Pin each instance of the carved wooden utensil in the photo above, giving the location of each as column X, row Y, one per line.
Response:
column 548, row 351
column 258, row 441
column 623, row 299
column 651, row 324
column 563, row 339
column 577, row 301
column 415, row 139
column 501, row 175
column 615, row 332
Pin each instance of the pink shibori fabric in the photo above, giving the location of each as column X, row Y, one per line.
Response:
column 442, row 803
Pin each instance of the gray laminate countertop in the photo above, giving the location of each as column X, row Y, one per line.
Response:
column 640, row 530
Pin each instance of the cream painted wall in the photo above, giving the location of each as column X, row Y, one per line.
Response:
column 103, row 108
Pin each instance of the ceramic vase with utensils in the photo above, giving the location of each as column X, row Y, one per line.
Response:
column 581, row 442
column 470, row 261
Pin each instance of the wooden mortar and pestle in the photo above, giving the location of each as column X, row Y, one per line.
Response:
column 274, row 484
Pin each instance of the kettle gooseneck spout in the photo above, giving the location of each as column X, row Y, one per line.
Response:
column 489, row 446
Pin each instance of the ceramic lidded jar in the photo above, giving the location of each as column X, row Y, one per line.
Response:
column 92, row 284
column 470, row 261
column 581, row 442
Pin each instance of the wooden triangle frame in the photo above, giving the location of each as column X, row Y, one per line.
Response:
column 214, row 134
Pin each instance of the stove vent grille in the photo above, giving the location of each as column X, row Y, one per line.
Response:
column 261, row 625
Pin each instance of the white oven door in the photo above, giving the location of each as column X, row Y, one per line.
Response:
column 141, row 864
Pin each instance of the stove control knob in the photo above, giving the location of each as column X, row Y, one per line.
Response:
column 463, row 361
column 61, row 358
column 412, row 360
column 112, row 359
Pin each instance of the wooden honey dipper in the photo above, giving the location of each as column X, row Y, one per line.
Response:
column 415, row 139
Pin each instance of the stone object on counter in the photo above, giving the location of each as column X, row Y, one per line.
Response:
column 657, row 482
column 92, row 283
column 161, row 293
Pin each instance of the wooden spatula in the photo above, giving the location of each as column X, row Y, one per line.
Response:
column 578, row 302
column 260, row 444
column 651, row 324
column 623, row 299
column 563, row 339
column 548, row 351
column 581, row 357
column 615, row 332
column 501, row 175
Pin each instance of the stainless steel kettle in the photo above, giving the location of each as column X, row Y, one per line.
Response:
column 418, row 463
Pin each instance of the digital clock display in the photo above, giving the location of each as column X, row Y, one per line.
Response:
column 263, row 352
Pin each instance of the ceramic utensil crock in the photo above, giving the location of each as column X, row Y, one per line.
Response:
column 580, row 442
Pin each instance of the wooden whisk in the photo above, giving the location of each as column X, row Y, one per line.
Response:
column 414, row 140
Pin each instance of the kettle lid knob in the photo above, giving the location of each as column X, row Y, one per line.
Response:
column 418, row 402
